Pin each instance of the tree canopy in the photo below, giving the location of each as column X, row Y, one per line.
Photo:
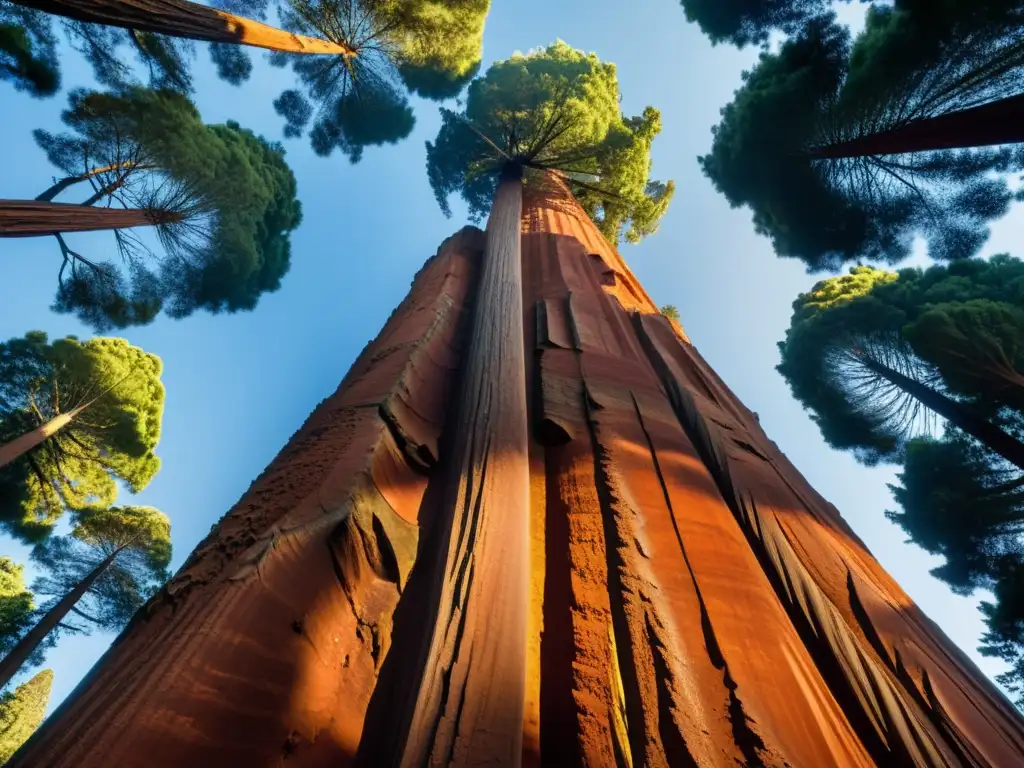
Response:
column 134, row 540
column 950, row 329
column 431, row 46
column 818, row 90
column 140, row 148
column 28, row 50
column 17, row 604
column 112, row 440
column 555, row 108
column 966, row 505
column 22, row 711
column 743, row 22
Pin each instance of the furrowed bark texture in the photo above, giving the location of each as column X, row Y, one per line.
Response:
column 32, row 218
column 683, row 596
column 180, row 18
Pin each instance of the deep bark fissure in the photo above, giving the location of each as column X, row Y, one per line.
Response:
column 476, row 648
column 13, row 661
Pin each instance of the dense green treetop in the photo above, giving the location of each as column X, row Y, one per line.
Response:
column 965, row 504
column 235, row 190
column 16, row 604
column 818, row 90
column 113, row 439
column 431, row 46
column 955, row 327
column 137, row 541
column 28, row 50
column 555, row 108
column 670, row 311
column 22, row 711
column 741, row 22
column 960, row 502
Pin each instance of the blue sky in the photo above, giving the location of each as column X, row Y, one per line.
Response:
column 238, row 386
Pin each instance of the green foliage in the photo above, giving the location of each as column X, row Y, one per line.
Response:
column 166, row 60
column 22, row 712
column 670, row 312
column 750, row 21
column 966, row 505
column 138, row 541
column 430, row 46
column 112, row 439
column 555, row 108
column 957, row 328
column 234, row 189
column 819, row 91
column 441, row 50
column 17, row 604
column 28, row 50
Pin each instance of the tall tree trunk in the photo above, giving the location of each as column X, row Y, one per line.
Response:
column 998, row 122
column 180, row 18
column 13, row 661
column 25, row 443
column 465, row 704
column 29, row 218
column 956, row 414
column 69, row 181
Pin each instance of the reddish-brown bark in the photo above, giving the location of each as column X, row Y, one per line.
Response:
column 180, row 18
column 32, row 218
column 692, row 600
column 997, row 122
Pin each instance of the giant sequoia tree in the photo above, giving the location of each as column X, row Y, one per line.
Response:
column 75, row 418
column 226, row 197
column 431, row 46
column 787, row 144
column 876, row 358
column 97, row 577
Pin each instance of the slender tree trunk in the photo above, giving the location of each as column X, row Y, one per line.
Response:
column 956, row 414
column 998, row 122
column 180, row 18
column 69, row 181
column 21, row 445
column 29, row 218
column 25, row 443
column 478, row 574
column 13, row 661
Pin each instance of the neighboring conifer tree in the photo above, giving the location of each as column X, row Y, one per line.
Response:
column 75, row 418
column 22, row 711
column 876, row 356
column 28, row 50
column 787, row 144
column 431, row 46
column 17, row 604
column 230, row 196
column 965, row 504
column 97, row 577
